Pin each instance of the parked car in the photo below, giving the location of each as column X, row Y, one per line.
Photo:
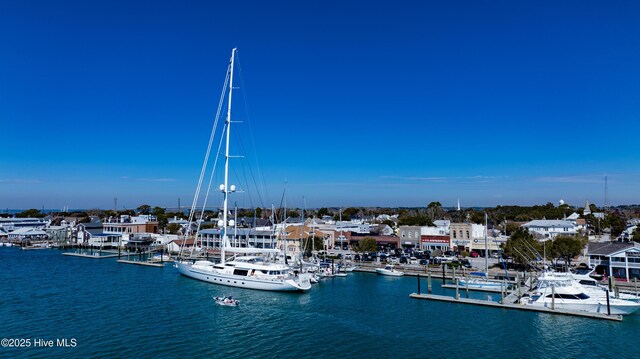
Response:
column 424, row 262
column 475, row 254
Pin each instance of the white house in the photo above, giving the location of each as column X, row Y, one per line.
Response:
column 550, row 228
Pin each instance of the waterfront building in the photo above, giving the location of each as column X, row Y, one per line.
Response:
column 443, row 224
column 382, row 230
column 434, row 238
column 618, row 259
column 28, row 234
column 10, row 224
column 463, row 235
column 544, row 229
column 84, row 231
column 239, row 237
column 409, row 236
column 128, row 224
column 388, row 242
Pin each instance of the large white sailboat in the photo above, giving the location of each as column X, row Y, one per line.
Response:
column 253, row 268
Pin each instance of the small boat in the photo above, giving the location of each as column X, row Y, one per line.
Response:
column 227, row 301
column 390, row 271
column 479, row 283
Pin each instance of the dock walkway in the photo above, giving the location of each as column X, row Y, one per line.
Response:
column 487, row 303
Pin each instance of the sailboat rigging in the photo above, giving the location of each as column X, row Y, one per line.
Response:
column 258, row 268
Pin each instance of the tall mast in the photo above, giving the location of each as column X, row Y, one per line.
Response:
column 486, row 247
column 225, row 190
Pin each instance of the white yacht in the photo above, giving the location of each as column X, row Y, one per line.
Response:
column 256, row 271
column 595, row 288
column 561, row 291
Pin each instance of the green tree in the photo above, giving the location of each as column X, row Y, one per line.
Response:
column 636, row 235
column 315, row 243
column 30, row 213
column 617, row 224
column 567, row 247
column 159, row 212
column 173, row 228
column 415, row 220
column 323, row 212
column 367, row 244
column 522, row 247
column 258, row 212
column 144, row 209
column 434, row 210
column 350, row 212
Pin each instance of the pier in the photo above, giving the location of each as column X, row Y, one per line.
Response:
column 142, row 263
column 92, row 256
column 486, row 303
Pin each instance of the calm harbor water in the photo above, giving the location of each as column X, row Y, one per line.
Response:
column 119, row 310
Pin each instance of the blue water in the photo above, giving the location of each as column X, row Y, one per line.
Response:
column 120, row 310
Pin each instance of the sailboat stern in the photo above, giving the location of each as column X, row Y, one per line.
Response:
column 301, row 281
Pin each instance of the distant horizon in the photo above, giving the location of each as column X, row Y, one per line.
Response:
column 370, row 103
column 209, row 208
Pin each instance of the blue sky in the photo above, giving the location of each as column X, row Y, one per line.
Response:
column 356, row 103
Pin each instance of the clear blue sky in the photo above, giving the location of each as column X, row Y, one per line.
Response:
column 389, row 103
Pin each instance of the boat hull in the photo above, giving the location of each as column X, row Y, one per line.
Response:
column 387, row 272
column 594, row 307
column 230, row 280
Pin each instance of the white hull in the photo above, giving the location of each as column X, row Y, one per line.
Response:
column 591, row 307
column 392, row 273
column 479, row 284
column 561, row 291
column 212, row 275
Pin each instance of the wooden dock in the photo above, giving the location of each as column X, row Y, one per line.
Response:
column 487, row 303
column 92, row 256
column 142, row 263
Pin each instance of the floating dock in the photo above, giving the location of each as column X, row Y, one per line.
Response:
column 92, row 256
column 142, row 263
column 486, row 303
column 462, row 287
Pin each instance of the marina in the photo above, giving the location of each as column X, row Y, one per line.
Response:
column 357, row 311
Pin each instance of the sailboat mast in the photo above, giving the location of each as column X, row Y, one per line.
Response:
column 486, row 247
column 226, row 160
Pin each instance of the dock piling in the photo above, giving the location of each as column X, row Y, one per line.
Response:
column 457, row 290
column 429, row 282
column 418, row 283
column 466, row 282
